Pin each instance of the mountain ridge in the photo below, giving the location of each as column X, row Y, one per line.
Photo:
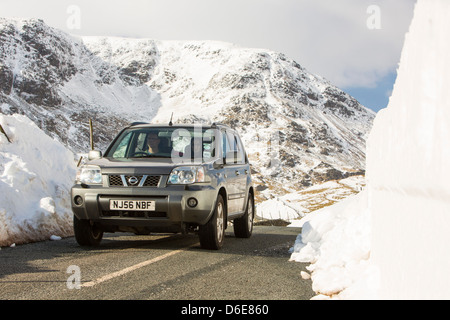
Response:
column 298, row 128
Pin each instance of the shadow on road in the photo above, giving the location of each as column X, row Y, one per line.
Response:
column 30, row 258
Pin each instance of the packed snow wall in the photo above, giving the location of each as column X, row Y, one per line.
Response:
column 36, row 174
column 408, row 165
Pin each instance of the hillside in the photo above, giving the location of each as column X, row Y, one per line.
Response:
column 299, row 129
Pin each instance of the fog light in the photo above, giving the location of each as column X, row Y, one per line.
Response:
column 192, row 202
column 78, row 200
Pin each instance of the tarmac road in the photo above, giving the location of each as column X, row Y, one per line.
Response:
column 156, row 267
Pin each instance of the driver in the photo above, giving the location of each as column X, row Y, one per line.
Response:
column 153, row 142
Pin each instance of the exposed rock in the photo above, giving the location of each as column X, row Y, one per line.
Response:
column 298, row 128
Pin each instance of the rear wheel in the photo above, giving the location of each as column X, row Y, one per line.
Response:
column 243, row 227
column 86, row 233
column 212, row 234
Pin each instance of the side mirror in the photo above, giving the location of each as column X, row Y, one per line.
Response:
column 218, row 164
column 94, row 154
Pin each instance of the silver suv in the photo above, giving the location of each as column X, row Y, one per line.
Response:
column 166, row 179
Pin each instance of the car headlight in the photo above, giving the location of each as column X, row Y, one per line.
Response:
column 187, row 175
column 89, row 175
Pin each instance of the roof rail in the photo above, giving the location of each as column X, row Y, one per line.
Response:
column 215, row 124
column 137, row 123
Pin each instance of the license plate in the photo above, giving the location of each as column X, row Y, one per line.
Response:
column 132, row 205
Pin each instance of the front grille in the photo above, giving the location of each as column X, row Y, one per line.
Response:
column 116, row 180
column 151, row 181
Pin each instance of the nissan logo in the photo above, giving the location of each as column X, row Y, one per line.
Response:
column 133, row 180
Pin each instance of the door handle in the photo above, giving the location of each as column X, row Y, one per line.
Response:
column 237, row 172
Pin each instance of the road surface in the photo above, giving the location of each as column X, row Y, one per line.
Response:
column 156, row 267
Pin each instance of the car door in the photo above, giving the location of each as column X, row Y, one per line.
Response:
column 235, row 170
column 241, row 169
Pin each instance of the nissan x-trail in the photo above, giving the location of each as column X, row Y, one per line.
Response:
column 166, row 179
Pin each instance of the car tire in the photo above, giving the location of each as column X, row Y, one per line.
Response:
column 212, row 234
column 86, row 234
column 243, row 227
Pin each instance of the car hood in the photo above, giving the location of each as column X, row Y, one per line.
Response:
column 134, row 166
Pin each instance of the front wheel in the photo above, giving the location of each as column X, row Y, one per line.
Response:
column 243, row 227
column 86, row 233
column 212, row 234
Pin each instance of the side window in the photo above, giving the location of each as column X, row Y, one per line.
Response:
column 240, row 150
column 225, row 144
column 232, row 141
column 232, row 148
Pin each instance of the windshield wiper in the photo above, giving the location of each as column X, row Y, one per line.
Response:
column 149, row 156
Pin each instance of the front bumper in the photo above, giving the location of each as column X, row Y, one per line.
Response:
column 171, row 208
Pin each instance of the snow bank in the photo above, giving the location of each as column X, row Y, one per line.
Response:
column 336, row 241
column 408, row 165
column 36, row 174
column 274, row 209
column 391, row 241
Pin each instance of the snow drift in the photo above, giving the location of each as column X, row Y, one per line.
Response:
column 391, row 241
column 36, row 174
column 336, row 241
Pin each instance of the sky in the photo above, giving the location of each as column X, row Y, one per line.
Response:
column 355, row 44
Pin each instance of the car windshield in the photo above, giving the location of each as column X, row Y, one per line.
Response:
column 182, row 144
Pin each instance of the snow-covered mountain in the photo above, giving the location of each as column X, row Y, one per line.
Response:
column 298, row 128
column 58, row 83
